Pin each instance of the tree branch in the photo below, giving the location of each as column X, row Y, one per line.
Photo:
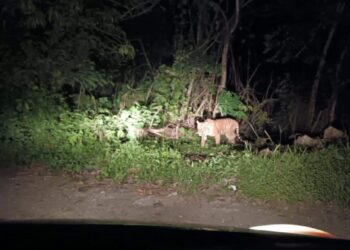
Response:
column 136, row 10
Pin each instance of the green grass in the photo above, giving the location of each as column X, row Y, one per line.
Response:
column 63, row 142
column 299, row 176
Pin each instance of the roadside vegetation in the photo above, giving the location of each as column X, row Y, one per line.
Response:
column 51, row 134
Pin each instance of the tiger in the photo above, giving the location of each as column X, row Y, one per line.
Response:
column 225, row 126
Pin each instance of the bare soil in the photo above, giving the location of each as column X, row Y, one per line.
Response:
column 37, row 192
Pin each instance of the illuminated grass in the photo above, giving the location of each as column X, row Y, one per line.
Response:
column 290, row 175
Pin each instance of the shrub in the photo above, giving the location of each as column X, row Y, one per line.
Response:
column 229, row 104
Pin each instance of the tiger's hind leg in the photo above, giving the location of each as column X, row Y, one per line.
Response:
column 231, row 139
column 217, row 139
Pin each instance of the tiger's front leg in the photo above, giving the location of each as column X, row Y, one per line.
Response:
column 217, row 139
column 203, row 139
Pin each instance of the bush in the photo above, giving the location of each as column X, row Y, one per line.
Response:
column 58, row 140
column 229, row 104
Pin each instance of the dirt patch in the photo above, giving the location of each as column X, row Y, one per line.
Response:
column 40, row 193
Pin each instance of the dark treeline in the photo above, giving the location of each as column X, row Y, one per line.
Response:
column 278, row 65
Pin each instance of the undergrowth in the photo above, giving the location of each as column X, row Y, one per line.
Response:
column 322, row 175
column 69, row 140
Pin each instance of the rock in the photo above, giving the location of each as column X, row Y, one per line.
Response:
column 266, row 152
column 332, row 133
column 172, row 194
column 233, row 187
column 261, row 142
column 307, row 141
column 148, row 201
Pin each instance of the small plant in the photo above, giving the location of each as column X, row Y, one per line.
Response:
column 229, row 104
column 130, row 121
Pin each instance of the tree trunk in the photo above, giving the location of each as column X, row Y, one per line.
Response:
column 199, row 26
column 322, row 62
column 229, row 28
column 224, row 59
column 336, row 86
column 333, row 105
column 185, row 105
